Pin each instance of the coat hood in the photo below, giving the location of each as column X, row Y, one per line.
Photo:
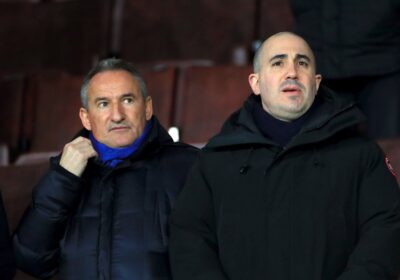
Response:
column 334, row 114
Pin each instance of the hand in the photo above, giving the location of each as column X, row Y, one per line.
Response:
column 76, row 154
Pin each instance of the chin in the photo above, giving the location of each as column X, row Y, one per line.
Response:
column 291, row 115
column 126, row 143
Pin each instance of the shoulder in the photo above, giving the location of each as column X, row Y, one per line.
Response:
column 357, row 154
column 179, row 150
column 173, row 156
column 360, row 145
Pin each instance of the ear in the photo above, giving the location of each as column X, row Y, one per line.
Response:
column 318, row 79
column 84, row 115
column 254, row 83
column 149, row 108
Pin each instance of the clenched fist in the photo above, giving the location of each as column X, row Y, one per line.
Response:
column 75, row 155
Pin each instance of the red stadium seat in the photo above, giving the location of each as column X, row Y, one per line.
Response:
column 206, row 97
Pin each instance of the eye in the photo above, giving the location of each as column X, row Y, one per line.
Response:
column 102, row 104
column 303, row 63
column 277, row 63
column 127, row 100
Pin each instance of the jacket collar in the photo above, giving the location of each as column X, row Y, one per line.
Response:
column 156, row 138
column 336, row 113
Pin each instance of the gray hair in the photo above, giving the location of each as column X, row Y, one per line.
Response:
column 256, row 59
column 111, row 64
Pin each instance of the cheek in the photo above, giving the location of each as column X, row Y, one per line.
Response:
column 98, row 123
column 134, row 118
column 311, row 82
column 270, row 84
column 137, row 116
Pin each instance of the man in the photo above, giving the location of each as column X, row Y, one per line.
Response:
column 101, row 211
column 287, row 190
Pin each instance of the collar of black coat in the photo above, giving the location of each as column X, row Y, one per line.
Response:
column 335, row 113
column 281, row 132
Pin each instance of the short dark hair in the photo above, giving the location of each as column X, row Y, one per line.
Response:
column 257, row 59
column 257, row 63
column 111, row 64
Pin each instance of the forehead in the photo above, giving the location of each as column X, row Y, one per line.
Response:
column 113, row 82
column 286, row 44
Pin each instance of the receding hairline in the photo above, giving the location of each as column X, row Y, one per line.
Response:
column 273, row 37
column 114, row 71
column 287, row 34
column 111, row 64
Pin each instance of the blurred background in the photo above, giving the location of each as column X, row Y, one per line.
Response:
column 47, row 46
column 72, row 34
column 195, row 56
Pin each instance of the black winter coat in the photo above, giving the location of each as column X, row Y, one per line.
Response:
column 109, row 224
column 325, row 207
column 351, row 38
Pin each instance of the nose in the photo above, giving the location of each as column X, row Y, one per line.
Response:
column 291, row 71
column 117, row 113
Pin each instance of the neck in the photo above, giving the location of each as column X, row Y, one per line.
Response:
column 278, row 130
column 110, row 156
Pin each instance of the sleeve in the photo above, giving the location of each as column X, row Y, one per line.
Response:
column 7, row 264
column 193, row 241
column 377, row 253
column 37, row 237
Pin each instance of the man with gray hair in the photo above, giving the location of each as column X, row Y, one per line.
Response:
column 101, row 210
column 288, row 189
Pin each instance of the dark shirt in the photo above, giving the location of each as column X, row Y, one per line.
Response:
column 281, row 132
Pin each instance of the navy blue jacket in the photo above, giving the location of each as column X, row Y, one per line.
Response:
column 111, row 223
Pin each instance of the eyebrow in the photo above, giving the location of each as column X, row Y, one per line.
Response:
column 129, row 94
column 298, row 56
column 97, row 99
column 303, row 56
column 278, row 56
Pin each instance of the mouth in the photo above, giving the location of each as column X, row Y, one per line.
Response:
column 291, row 90
column 118, row 128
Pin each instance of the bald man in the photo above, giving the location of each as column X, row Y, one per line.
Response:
column 288, row 189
